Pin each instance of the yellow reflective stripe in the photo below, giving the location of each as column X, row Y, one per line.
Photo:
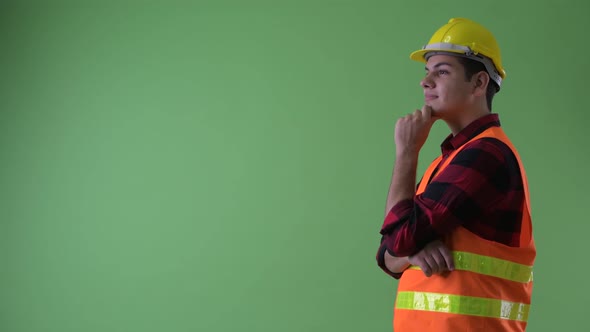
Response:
column 463, row 305
column 490, row 266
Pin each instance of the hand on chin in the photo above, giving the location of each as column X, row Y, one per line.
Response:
column 436, row 113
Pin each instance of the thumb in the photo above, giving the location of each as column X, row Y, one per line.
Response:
column 428, row 114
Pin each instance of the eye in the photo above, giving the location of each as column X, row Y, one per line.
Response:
column 443, row 72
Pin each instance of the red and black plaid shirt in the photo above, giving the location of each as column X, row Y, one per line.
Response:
column 481, row 189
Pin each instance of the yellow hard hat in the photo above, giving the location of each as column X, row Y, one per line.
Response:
column 464, row 37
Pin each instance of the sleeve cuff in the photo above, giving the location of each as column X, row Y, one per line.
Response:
column 398, row 212
column 381, row 262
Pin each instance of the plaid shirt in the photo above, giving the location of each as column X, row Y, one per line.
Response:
column 481, row 189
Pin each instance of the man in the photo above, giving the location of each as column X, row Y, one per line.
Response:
column 461, row 243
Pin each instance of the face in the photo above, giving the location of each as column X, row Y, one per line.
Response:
column 445, row 88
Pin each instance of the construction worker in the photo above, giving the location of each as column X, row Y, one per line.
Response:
column 461, row 242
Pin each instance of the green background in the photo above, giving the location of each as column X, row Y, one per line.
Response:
column 217, row 166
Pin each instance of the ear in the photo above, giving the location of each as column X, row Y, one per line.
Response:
column 481, row 81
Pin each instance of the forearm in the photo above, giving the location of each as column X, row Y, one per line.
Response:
column 402, row 187
column 403, row 179
column 395, row 264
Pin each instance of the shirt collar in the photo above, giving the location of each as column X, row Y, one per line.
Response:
column 473, row 129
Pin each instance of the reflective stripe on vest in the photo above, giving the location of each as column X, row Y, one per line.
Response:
column 491, row 266
column 463, row 305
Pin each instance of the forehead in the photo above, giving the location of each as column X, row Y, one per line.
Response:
column 443, row 58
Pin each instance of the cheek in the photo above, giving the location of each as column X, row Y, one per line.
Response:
column 451, row 93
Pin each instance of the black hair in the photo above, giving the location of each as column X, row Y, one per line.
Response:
column 473, row 67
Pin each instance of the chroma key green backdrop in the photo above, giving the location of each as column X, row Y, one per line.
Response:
column 223, row 166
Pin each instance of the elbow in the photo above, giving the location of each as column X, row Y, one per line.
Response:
column 399, row 244
column 403, row 247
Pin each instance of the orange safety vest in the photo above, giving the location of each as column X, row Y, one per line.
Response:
column 491, row 286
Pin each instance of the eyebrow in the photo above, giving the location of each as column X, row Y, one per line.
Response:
column 439, row 64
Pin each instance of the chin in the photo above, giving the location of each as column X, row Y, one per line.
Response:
column 438, row 112
column 440, row 109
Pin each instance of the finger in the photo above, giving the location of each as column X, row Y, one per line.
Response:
column 432, row 265
column 438, row 262
column 447, row 255
column 420, row 262
column 426, row 269
column 428, row 113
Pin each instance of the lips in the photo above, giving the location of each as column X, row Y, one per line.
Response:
column 429, row 97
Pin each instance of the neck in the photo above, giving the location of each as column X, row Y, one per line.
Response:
column 466, row 118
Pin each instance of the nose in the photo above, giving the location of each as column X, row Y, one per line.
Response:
column 427, row 82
